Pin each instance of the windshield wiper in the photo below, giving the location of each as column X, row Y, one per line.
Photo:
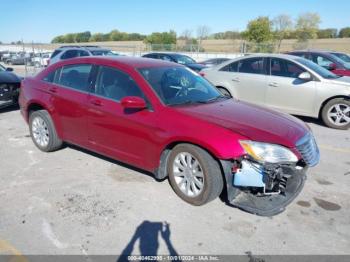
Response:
column 214, row 99
column 187, row 102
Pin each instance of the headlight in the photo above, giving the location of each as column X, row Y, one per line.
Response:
column 270, row 153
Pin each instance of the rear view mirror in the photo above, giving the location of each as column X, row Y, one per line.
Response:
column 306, row 76
column 133, row 102
column 9, row 69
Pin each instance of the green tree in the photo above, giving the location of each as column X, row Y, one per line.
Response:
column 97, row 37
column 327, row 33
column 344, row 32
column 283, row 27
column 162, row 39
column 307, row 26
column 259, row 30
column 82, row 37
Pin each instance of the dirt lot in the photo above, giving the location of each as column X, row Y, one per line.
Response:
column 75, row 202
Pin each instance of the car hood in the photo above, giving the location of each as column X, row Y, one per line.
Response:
column 254, row 122
column 8, row 77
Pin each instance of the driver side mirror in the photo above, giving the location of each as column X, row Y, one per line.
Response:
column 305, row 76
column 9, row 69
column 133, row 102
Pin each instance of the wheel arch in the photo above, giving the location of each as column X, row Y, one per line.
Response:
column 329, row 99
column 161, row 172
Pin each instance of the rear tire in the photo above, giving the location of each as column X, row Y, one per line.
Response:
column 336, row 113
column 194, row 174
column 224, row 91
column 43, row 132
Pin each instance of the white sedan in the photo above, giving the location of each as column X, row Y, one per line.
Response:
column 286, row 83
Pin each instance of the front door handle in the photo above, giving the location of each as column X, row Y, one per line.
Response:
column 96, row 102
column 53, row 89
column 236, row 79
column 273, row 84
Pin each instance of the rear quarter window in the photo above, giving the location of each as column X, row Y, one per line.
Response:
column 55, row 53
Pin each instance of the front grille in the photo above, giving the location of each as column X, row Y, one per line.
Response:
column 8, row 91
column 309, row 150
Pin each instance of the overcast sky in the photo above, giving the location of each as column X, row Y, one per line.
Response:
column 40, row 21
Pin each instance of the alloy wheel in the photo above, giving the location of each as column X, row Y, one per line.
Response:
column 188, row 174
column 40, row 131
column 339, row 114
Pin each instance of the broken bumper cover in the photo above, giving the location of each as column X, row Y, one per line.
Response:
column 8, row 94
column 264, row 204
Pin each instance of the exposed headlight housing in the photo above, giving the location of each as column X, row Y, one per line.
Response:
column 268, row 153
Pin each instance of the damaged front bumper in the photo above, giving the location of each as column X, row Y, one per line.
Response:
column 263, row 190
column 8, row 94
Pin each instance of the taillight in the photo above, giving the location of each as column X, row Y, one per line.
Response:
column 202, row 74
column 48, row 61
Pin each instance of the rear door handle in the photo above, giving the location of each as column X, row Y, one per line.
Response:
column 236, row 79
column 53, row 89
column 96, row 102
column 273, row 84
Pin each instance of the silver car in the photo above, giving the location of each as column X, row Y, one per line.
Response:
column 286, row 83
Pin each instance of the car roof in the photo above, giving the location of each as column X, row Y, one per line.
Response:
column 126, row 61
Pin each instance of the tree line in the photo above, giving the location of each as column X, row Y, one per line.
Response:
column 259, row 30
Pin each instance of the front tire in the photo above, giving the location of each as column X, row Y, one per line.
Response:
column 336, row 113
column 194, row 174
column 43, row 132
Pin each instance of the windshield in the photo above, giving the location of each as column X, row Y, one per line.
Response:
column 179, row 85
column 102, row 53
column 317, row 69
column 182, row 59
column 343, row 57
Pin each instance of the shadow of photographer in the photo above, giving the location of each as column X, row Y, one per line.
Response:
column 148, row 235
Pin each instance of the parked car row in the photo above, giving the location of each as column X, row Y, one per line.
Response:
column 165, row 118
column 67, row 52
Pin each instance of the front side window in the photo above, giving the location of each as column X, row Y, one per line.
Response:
column 251, row 65
column 114, row 84
column 285, row 68
column 180, row 85
column 184, row 60
column 233, row 67
column 83, row 53
column 75, row 76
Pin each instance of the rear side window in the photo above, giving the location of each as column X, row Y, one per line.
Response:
column 83, row 53
column 251, row 66
column 70, row 54
column 75, row 76
column 233, row 67
column 285, row 68
column 55, row 53
column 114, row 84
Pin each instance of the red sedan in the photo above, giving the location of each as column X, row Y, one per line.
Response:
column 165, row 118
